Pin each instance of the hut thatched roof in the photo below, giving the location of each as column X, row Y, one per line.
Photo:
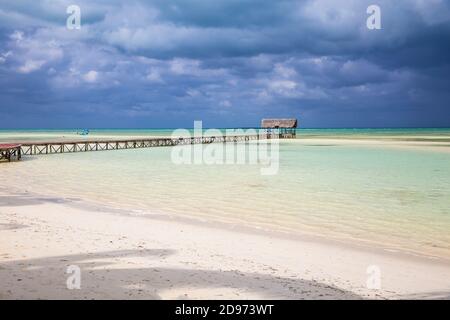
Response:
column 279, row 123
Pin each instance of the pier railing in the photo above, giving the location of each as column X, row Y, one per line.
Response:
column 38, row 148
column 10, row 152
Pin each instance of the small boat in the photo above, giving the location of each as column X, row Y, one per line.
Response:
column 84, row 132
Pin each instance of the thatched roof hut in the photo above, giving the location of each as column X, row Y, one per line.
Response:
column 280, row 128
column 279, row 123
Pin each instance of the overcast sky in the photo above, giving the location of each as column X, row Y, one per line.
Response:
column 166, row 63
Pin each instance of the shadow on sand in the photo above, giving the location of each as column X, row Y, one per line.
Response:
column 116, row 275
column 23, row 200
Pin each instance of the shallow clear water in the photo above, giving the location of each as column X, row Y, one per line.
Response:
column 387, row 195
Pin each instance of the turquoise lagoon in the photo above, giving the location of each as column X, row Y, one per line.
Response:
column 388, row 188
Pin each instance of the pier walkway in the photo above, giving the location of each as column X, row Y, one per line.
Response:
column 39, row 148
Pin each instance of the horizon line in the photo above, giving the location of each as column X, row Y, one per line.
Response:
column 206, row 128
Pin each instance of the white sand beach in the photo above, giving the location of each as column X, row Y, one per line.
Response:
column 224, row 150
column 124, row 255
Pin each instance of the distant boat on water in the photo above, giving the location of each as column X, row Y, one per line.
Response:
column 84, row 132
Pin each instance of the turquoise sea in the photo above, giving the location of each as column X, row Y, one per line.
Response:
column 24, row 134
column 388, row 188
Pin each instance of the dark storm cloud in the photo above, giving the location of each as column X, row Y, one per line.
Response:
column 227, row 62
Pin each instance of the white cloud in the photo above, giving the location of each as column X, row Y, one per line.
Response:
column 31, row 65
column 283, row 87
column 29, row 53
column 184, row 66
column 90, row 76
column 192, row 67
column 193, row 93
column 225, row 103
column 4, row 56
column 154, row 76
column 16, row 36
column 283, row 71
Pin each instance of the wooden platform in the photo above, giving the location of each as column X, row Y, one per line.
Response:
column 9, row 152
column 39, row 148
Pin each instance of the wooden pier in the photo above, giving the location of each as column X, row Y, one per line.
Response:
column 271, row 129
column 40, row 148
column 9, row 152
